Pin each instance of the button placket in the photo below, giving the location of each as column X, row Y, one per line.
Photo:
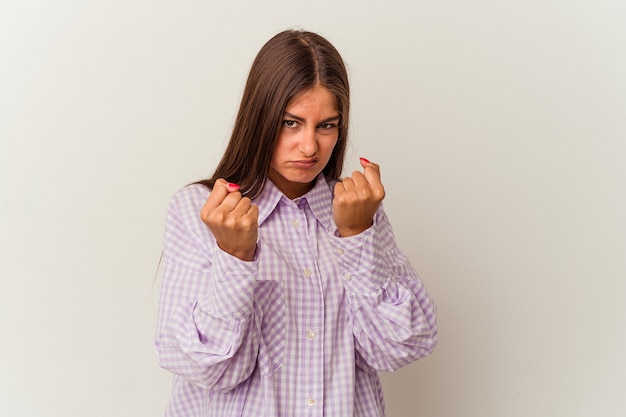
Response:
column 302, row 229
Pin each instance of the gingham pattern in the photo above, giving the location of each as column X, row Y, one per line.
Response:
column 299, row 331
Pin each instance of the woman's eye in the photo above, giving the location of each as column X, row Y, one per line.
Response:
column 328, row 126
column 290, row 124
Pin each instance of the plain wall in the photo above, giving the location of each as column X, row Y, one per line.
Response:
column 500, row 127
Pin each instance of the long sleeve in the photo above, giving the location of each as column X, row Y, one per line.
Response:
column 206, row 332
column 392, row 315
column 285, row 335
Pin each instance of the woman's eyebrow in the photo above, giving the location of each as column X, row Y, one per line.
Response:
column 331, row 119
column 301, row 119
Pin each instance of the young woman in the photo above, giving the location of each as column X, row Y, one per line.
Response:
column 283, row 291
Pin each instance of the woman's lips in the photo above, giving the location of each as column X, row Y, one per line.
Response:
column 304, row 163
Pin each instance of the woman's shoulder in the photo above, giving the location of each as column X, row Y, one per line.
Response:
column 189, row 200
column 188, row 242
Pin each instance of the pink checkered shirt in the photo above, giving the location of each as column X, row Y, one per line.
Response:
column 299, row 331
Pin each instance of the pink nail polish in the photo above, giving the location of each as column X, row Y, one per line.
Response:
column 364, row 160
column 233, row 187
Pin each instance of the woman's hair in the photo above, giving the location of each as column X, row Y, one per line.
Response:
column 288, row 64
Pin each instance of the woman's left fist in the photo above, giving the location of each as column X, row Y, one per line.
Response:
column 357, row 199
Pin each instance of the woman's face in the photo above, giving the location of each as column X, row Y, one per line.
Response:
column 307, row 137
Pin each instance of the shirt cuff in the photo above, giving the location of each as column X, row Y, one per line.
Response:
column 361, row 261
column 231, row 290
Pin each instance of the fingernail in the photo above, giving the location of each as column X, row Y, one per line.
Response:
column 233, row 187
column 367, row 161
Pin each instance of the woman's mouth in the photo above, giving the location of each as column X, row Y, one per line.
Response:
column 305, row 163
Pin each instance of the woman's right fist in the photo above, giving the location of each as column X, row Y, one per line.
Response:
column 232, row 219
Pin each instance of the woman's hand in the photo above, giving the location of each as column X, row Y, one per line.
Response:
column 232, row 219
column 357, row 198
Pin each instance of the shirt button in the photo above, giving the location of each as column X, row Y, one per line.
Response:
column 307, row 272
column 347, row 277
column 340, row 251
column 295, row 223
column 310, row 402
column 310, row 335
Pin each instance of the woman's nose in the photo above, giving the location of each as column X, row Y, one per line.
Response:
column 308, row 143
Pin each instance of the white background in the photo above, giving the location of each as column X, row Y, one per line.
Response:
column 500, row 127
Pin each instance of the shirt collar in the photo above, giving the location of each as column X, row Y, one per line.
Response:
column 319, row 199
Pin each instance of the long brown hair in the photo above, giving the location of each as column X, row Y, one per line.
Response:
column 289, row 63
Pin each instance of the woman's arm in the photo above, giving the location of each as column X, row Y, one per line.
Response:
column 393, row 317
column 206, row 331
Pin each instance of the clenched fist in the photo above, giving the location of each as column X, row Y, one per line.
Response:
column 232, row 219
column 357, row 198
